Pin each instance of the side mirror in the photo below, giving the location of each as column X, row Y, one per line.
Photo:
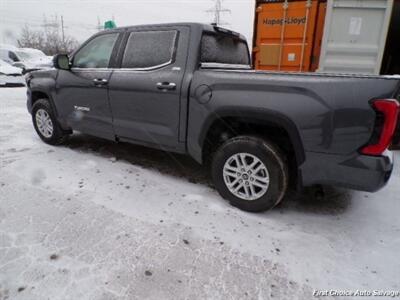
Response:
column 61, row 61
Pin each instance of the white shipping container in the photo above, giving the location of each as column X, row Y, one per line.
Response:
column 355, row 36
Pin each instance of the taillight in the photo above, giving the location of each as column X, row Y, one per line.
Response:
column 387, row 115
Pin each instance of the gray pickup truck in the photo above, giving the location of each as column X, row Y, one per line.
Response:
column 189, row 88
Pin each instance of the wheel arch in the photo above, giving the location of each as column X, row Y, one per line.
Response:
column 273, row 125
column 36, row 94
column 258, row 117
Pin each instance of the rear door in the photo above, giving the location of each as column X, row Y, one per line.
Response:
column 81, row 93
column 145, row 93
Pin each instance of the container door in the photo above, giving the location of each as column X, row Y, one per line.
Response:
column 285, row 35
column 319, row 31
column 355, row 36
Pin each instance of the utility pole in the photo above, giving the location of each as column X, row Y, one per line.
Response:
column 62, row 29
column 217, row 10
column 99, row 25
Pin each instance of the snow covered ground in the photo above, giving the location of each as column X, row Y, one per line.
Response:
column 95, row 220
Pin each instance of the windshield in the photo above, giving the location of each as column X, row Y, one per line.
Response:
column 224, row 49
column 24, row 55
column 33, row 52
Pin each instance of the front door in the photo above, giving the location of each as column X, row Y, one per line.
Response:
column 81, row 93
column 145, row 92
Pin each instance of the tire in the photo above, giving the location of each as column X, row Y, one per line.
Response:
column 267, row 181
column 43, row 108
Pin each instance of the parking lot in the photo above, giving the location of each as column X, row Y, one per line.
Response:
column 92, row 219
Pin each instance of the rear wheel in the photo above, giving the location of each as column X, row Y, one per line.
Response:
column 251, row 173
column 46, row 124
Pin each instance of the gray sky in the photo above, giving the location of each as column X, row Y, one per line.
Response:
column 81, row 16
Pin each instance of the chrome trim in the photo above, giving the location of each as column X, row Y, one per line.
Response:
column 91, row 69
column 124, row 69
column 224, row 66
column 164, row 86
column 146, row 69
column 81, row 108
column 156, row 67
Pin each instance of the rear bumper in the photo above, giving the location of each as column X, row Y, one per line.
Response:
column 358, row 172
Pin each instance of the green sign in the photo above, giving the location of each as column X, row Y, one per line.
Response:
column 110, row 24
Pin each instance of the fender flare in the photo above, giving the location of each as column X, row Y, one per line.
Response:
column 260, row 116
column 42, row 91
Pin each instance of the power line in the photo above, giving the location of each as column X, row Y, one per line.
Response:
column 39, row 23
column 50, row 24
column 217, row 10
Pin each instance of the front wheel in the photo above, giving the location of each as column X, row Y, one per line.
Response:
column 251, row 173
column 46, row 124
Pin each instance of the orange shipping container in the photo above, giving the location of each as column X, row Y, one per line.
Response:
column 288, row 35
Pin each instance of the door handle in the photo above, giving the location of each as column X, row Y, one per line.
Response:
column 166, row 86
column 100, row 81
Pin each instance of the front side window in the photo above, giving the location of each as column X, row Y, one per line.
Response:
column 146, row 49
column 96, row 53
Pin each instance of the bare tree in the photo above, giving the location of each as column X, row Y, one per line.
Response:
column 49, row 40
column 31, row 39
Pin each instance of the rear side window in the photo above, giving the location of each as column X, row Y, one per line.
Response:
column 224, row 49
column 96, row 53
column 146, row 49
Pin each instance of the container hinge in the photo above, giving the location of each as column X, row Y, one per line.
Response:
column 285, row 9
column 303, row 46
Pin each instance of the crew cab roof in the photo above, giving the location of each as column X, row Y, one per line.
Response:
column 195, row 26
